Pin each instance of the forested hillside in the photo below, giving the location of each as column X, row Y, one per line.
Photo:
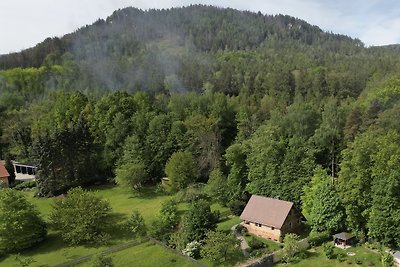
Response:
column 247, row 103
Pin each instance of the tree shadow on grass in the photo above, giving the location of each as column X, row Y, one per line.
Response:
column 118, row 230
column 148, row 193
column 306, row 254
column 52, row 243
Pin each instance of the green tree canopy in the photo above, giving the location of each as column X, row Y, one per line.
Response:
column 321, row 203
column 216, row 186
column 21, row 225
column 219, row 246
column 81, row 217
column 198, row 220
column 181, row 169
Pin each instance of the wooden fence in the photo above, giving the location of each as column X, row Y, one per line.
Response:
column 125, row 246
column 104, row 252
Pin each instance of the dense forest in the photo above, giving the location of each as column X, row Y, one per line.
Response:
column 243, row 102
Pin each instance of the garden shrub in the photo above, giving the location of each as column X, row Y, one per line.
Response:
column 341, row 257
column 101, row 261
column 192, row 193
column 241, row 229
column 317, row 238
column 25, row 185
column 328, row 250
column 236, row 206
column 192, row 249
column 254, row 243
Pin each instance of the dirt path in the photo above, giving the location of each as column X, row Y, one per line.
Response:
column 243, row 243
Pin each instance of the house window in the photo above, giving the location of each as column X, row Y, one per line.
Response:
column 246, row 222
column 290, row 225
column 258, row 224
column 272, row 228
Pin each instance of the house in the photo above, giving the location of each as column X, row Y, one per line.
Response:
column 396, row 259
column 4, row 176
column 343, row 240
column 270, row 218
column 24, row 171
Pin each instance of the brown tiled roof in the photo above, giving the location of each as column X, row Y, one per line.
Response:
column 3, row 171
column 267, row 211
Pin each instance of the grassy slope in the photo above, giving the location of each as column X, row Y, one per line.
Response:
column 317, row 258
column 143, row 255
column 54, row 250
column 123, row 202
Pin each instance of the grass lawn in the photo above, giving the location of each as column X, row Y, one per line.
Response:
column 50, row 252
column 315, row 257
column 123, row 202
column 270, row 245
column 54, row 250
column 227, row 223
column 144, row 255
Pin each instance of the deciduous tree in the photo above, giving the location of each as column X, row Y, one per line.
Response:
column 181, row 169
column 81, row 217
column 21, row 225
column 219, row 246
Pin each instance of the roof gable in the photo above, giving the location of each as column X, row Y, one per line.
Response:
column 3, row 171
column 268, row 211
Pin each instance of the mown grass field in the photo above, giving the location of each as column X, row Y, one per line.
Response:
column 123, row 202
column 146, row 254
column 316, row 257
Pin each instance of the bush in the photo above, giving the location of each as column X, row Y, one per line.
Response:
column 254, row 243
column 241, row 229
column 192, row 249
column 341, row 257
column 290, row 247
column 101, row 261
column 192, row 193
column 256, row 253
column 328, row 250
column 166, row 221
column 236, row 206
column 317, row 238
column 137, row 225
column 25, row 185
column 303, row 255
column 160, row 189
column 387, row 259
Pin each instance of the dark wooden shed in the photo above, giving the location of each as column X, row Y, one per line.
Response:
column 343, row 239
